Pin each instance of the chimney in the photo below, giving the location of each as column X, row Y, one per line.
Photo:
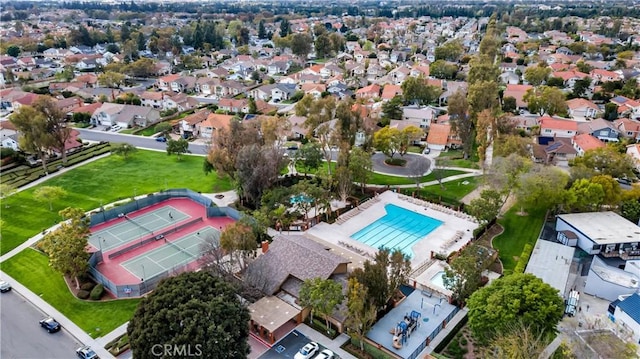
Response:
column 265, row 246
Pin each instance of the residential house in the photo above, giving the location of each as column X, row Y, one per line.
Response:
column 214, row 122
column 509, row 78
column 601, row 129
column 628, row 128
column 8, row 135
column 179, row 101
column 187, row 125
column 570, row 77
column 288, row 262
column 627, row 106
column 125, row 116
column 234, row 106
column 183, row 84
column 164, row 82
column 399, row 74
column 152, row 99
column 390, row 91
column 368, row 92
column 517, row 92
column 582, row 109
column 315, row 90
column 525, row 123
column 419, row 116
column 449, row 88
column 441, row 137
column 601, row 75
column 553, row 127
column 554, row 150
column 586, row 142
column 297, row 127
column 67, row 105
column 275, row 92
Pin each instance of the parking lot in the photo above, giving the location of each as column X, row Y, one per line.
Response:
column 288, row 346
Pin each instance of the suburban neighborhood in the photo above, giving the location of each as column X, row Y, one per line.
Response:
column 294, row 180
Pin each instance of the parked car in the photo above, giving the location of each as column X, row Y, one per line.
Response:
column 4, row 286
column 307, row 351
column 50, row 324
column 161, row 139
column 326, row 354
column 86, row 353
column 115, row 128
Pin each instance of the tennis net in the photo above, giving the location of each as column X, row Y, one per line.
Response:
column 138, row 224
column 182, row 250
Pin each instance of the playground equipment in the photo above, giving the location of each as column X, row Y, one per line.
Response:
column 403, row 330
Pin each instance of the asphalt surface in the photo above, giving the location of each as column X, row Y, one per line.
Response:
column 21, row 337
column 138, row 141
column 378, row 159
column 288, row 346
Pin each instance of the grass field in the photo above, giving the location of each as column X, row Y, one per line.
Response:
column 380, row 179
column 455, row 189
column 518, row 231
column 453, row 158
column 96, row 318
column 102, row 182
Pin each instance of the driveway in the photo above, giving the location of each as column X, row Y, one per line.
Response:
column 22, row 336
column 381, row 167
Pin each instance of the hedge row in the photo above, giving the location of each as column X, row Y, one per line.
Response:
column 524, row 259
column 20, row 178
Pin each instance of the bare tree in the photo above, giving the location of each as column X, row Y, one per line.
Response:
column 418, row 168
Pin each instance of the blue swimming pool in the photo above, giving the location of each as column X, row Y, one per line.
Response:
column 400, row 228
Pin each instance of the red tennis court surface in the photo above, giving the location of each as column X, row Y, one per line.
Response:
column 112, row 269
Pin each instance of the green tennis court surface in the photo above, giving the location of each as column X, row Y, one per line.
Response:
column 136, row 227
column 173, row 254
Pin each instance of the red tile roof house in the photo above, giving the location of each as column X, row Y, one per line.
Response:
column 368, row 92
column 207, row 129
column 582, row 109
column 559, row 151
column 570, row 77
column 164, row 82
column 390, row 91
column 517, row 92
column 551, row 127
column 628, row 128
column 627, row 106
column 585, row 142
column 188, row 124
column 440, row 137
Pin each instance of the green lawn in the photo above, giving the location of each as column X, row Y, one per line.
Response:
column 32, row 269
column 380, row 179
column 149, row 131
column 518, row 231
column 102, row 182
column 128, row 131
column 455, row 190
column 454, row 158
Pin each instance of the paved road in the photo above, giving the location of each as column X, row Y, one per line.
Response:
column 22, row 337
column 138, row 141
column 378, row 159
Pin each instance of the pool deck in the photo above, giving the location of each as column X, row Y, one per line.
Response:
column 455, row 231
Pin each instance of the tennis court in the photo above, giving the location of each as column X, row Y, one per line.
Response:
column 134, row 227
column 173, row 254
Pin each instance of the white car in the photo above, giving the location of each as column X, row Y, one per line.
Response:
column 116, row 128
column 326, row 354
column 307, row 351
column 4, row 286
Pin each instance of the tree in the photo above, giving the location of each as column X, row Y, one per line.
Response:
column 163, row 128
column 505, row 145
column 383, row 277
column 630, row 209
column 399, row 268
column 49, row 194
column 360, row 166
column 301, row 45
column 440, row 69
column 449, row 51
column 111, row 79
column 611, row 188
column 483, row 96
column 177, row 147
column 541, row 187
column 584, row 196
column 517, row 341
column 509, row 104
column 461, row 122
column 416, row 91
column 322, row 296
column 482, row 69
column 285, row 28
column 464, row 276
column 195, row 311
column 417, row 169
column 343, row 180
column 55, row 124
column 262, row 32
column 546, row 100
column 486, row 207
column 516, row 297
column 580, row 87
column 323, row 46
column 407, row 136
column 360, row 315
column 123, row 149
column 125, row 32
column 31, row 125
column 310, row 156
column 603, row 161
column 257, row 168
column 226, row 146
column 504, row 173
column 537, row 75
column 392, row 109
column 387, row 140
column 13, row 50
column 610, row 111
column 240, row 242
column 67, row 245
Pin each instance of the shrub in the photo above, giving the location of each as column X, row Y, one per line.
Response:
column 97, row 292
column 395, row 161
column 87, row 286
column 524, row 259
column 82, row 294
